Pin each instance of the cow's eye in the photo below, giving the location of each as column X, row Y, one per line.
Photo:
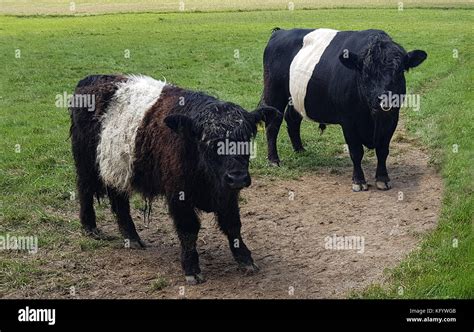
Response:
column 397, row 77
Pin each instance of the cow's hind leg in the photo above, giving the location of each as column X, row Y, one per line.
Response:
column 88, row 183
column 120, row 205
column 382, row 181
column 87, row 212
column 273, row 95
column 272, row 128
column 293, row 120
column 187, row 226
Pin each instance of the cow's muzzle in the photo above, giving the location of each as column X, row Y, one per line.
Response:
column 237, row 179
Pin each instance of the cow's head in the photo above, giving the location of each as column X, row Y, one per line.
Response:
column 380, row 68
column 221, row 134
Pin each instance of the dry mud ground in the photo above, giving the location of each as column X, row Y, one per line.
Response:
column 287, row 238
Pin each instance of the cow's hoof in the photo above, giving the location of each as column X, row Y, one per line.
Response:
column 383, row 185
column 300, row 150
column 92, row 232
column 356, row 187
column 249, row 269
column 195, row 279
column 135, row 244
column 272, row 161
column 96, row 234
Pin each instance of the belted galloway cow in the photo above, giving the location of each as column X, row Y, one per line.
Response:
column 338, row 77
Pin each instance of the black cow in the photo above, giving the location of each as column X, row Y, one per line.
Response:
column 337, row 77
column 157, row 139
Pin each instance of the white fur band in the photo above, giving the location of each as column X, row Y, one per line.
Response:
column 116, row 148
column 303, row 64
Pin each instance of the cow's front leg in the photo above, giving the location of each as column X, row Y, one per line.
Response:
column 382, row 181
column 358, row 179
column 356, row 151
column 187, row 226
column 229, row 222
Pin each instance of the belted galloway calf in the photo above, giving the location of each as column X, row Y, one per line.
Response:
column 157, row 139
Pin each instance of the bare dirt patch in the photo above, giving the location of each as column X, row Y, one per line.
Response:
column 287, row 238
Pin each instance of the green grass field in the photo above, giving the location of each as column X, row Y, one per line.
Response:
column 86, row 7
column 45, row 56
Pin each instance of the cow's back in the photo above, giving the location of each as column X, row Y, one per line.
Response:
column 279, row 52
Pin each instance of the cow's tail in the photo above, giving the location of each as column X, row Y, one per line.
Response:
column 322, row 127
column 261, row 102
column 71, row 129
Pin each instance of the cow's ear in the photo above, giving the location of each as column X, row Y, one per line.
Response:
column 181, row 124
column 350, row 60
column 414, row 58
column 265, row 113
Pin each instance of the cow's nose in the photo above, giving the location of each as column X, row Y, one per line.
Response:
column 237, row 179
